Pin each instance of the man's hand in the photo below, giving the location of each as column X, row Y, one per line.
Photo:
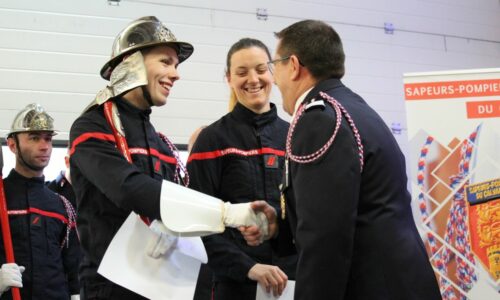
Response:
column 242, row 215
column 10, row 276
column 271, row 278
column 162, row 240
column 254, row 235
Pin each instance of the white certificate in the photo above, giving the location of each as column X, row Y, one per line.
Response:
column 286, row 295
column 172, row 276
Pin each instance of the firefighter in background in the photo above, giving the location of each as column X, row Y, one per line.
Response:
column 42, row 223
column 62, row 184
column 120, row 164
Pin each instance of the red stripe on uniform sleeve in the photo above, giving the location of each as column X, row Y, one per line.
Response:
column 91, row 135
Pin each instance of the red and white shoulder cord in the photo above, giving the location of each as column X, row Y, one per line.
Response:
column 308, row 158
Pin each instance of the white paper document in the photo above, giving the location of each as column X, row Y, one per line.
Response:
column 286, row 295
column 172, row 276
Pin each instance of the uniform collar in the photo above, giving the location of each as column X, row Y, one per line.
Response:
column 16, row 176
column 299, row 101
column 61, row 180
column 129, row 108
column 240, row 112
column 322, row 86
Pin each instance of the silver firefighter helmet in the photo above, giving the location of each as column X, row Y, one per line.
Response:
column 143, row 33
column 32, row 118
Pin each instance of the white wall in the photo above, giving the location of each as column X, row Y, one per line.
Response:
column 56, row 164
column 54, row 168
column 51, row 51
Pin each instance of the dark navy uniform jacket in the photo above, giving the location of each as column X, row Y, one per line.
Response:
column 239, row 159
column 61, row 186
column 108, row 188
column 38, row 224
column 354, row 232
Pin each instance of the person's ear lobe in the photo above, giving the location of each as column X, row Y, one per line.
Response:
column 12, row 145
column 295, row 65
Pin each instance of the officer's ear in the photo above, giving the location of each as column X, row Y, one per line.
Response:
column 295, row 67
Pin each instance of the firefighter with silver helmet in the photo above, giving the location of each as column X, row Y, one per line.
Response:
column 42, row 223
column 120, row 164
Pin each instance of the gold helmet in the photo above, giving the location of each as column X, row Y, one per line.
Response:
column 142, row 33
column 32, row 118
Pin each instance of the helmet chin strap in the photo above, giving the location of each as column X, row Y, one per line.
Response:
column 147, row 95
column 30, row 166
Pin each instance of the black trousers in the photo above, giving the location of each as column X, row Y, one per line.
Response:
column 204, row 285
column 102, row 291
column 235, row 290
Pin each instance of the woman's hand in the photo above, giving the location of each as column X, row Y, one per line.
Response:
column 269, row 277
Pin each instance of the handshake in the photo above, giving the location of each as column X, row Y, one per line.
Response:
column 186, row 212
column 255, row 220
column 243, row 216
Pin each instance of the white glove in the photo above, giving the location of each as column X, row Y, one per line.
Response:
column 10, row 276
column 191, row 213
column 241, row 214
column 75, row 297
column 162, row 240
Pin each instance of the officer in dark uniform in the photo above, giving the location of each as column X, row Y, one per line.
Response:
column 345, row 184
column 42, row 223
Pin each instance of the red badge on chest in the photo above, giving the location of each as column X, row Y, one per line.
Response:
column 271, row 161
